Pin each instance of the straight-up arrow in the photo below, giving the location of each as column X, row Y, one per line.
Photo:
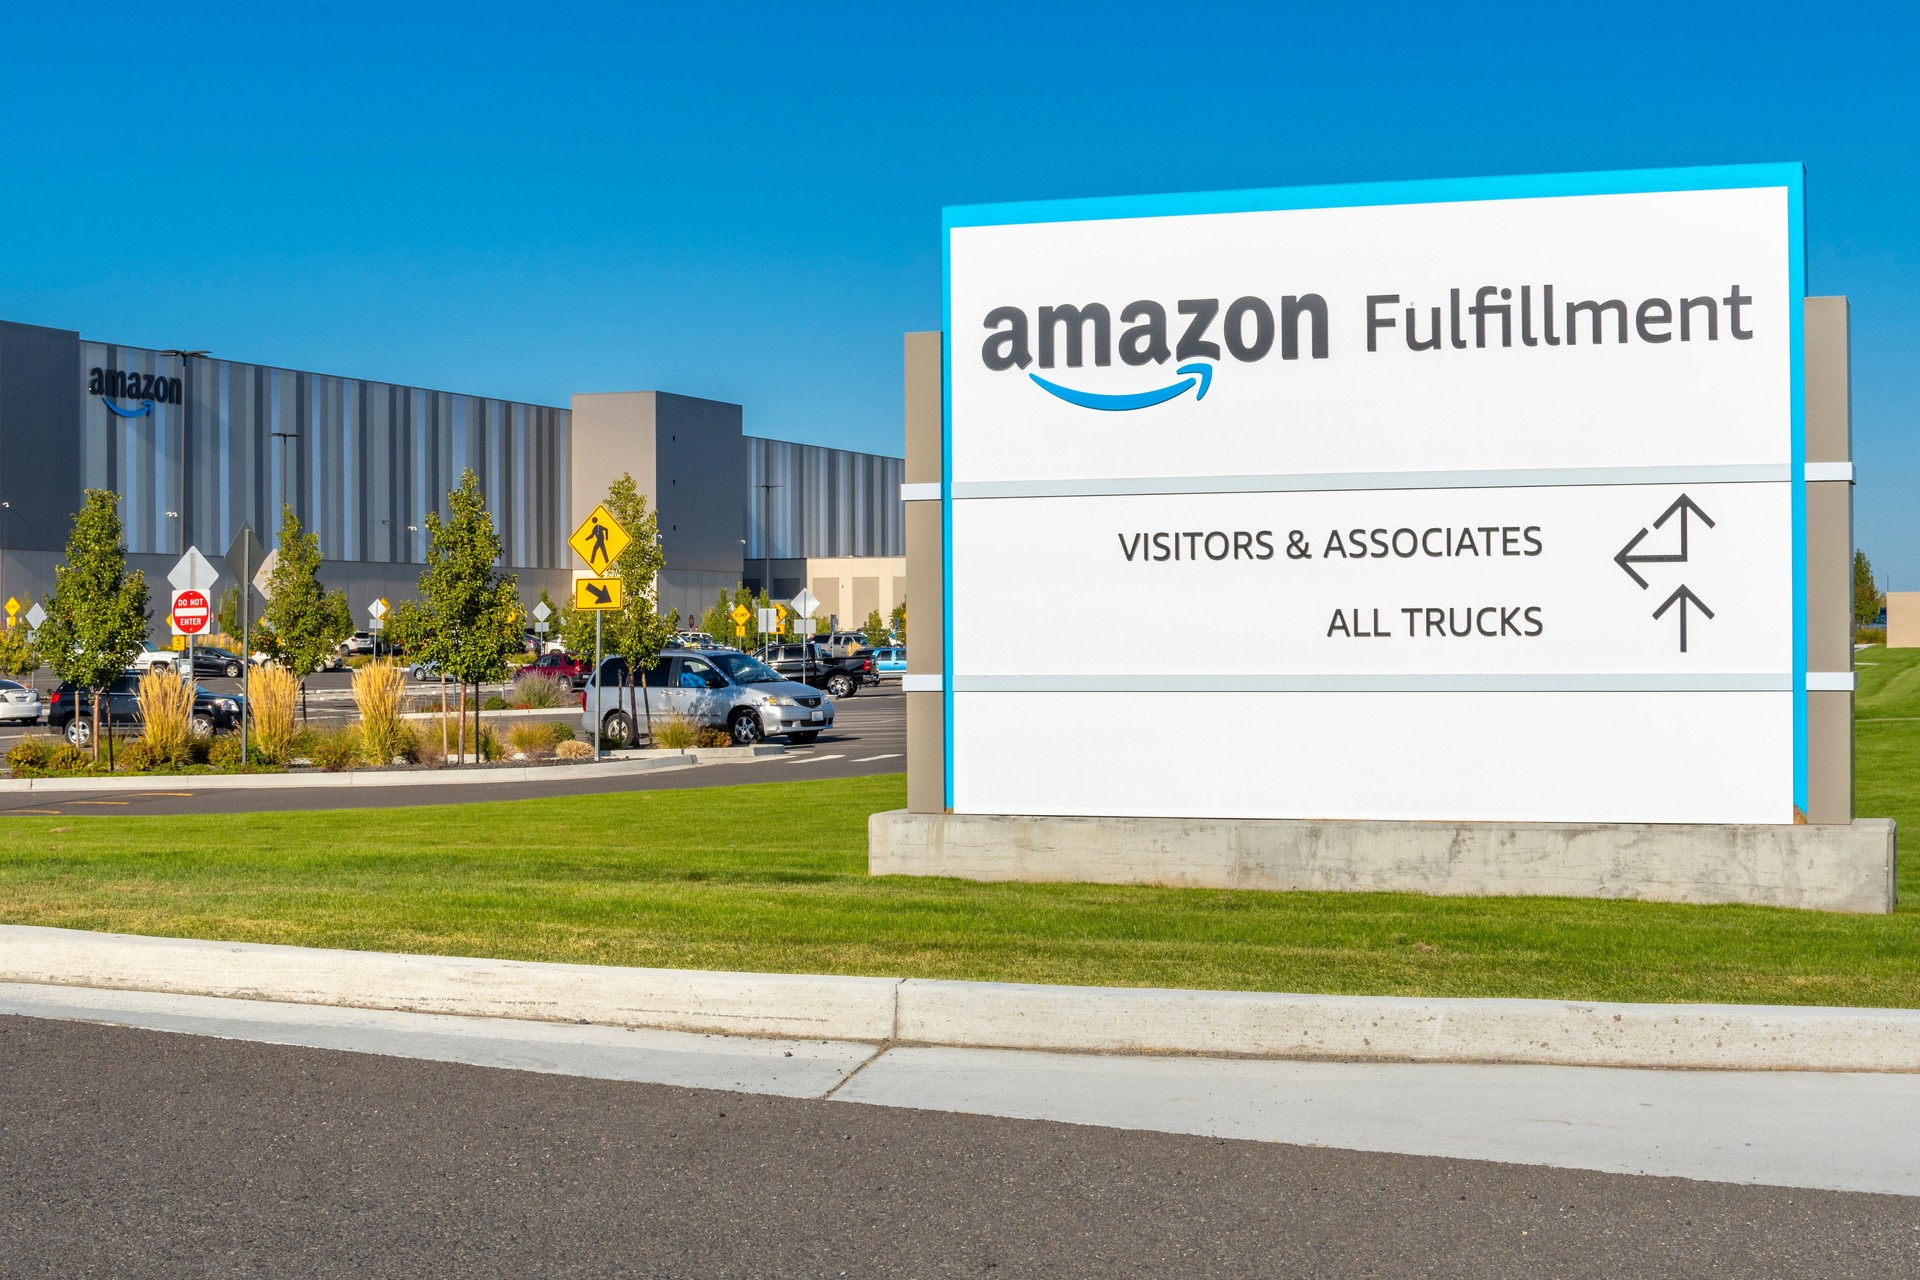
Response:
column 1626, row 559
column 1685, row 597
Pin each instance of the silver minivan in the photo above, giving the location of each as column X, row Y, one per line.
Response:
column 718, row 688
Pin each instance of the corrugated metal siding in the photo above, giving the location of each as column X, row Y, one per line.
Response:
column 366, row 460
column 825, row 502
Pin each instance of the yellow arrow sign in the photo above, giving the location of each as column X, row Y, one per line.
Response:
column 597, row 593
column 599, row 540
column 740, row 615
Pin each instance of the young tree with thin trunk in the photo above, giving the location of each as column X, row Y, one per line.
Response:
column 636, row 632
column 303, row 623
column 473, row 610
column 97, row 615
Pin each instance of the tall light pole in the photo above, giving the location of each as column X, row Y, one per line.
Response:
column 186, row 358
column 283, row 437
column 766, row 537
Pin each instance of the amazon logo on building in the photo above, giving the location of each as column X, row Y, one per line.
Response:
column 1197, row 335
column 125, row 384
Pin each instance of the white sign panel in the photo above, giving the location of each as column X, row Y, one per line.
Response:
column 1469, row 500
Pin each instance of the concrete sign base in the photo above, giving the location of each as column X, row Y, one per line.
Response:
column 1822, row 868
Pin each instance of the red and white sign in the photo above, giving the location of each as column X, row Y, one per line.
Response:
column 190, row 612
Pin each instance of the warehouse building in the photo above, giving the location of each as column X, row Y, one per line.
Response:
column 197, row 446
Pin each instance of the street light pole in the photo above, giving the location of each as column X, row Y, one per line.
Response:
column 766, row 537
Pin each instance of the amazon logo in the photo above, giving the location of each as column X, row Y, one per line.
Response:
column 125, row 384
column 1198, row 334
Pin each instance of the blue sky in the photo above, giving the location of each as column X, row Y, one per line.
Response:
column 743, row 201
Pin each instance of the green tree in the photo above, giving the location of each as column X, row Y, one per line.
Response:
column 900, row 621
column 17, row 657
column 473, row 609
column 1867, row 600
column 303, row 622
column 97, row 615
column 636, row 631
column 874, row 629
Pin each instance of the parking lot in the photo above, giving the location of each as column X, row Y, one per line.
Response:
column 869, row 736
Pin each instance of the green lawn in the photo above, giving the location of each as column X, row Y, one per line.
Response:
column 773, row 877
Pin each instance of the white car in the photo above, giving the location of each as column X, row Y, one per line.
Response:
column 152, row 655
column 19, row 703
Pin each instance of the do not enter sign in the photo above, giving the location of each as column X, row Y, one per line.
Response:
column 190, row 611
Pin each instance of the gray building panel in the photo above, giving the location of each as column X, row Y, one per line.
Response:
column 41, row 379
column 823, row 503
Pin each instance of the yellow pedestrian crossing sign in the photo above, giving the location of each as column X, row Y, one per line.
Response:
column 599, row 540
column 597, row 593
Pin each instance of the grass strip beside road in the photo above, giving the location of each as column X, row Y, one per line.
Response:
column 772, row 877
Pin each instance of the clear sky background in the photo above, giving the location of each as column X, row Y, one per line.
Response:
column 743, row 202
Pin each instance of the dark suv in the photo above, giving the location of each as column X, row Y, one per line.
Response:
column 70, row 710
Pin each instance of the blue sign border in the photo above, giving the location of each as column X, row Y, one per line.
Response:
column 1790, row 175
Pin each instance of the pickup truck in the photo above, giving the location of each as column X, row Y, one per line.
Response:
column 807, row 664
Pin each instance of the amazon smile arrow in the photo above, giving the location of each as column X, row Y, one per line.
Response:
column 1201, row 376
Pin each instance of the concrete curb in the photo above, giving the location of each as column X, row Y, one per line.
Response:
column 985, row 1014
column 352, row 777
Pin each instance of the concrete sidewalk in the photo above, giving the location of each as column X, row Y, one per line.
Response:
column 988, row 1015
column 1798, row 1129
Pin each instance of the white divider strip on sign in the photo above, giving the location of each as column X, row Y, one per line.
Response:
column 922, row 684
column 922, row 491
column 1830, row 471
column 1333, row 482
column 1445, row 682
column 1830, row 681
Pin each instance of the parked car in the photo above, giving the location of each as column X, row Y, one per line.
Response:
column 358, row 645
column 890, row 660
column 718, row 688
column 537, row 643
column 424, row 671
column 809, row 664
column 844, row 644
column 559, row 666
column 211, row 662
column 70, row 709
column 152, row 655
column 19, row 703
column 696, row 640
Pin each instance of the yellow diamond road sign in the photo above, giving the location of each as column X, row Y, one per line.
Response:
column 597, row 593
column 599, row 540
column 740, row 615
column 13, row 606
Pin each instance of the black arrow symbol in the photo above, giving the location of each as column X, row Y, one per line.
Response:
column 603, row 596
column 1685, row 597
column 1626, row 560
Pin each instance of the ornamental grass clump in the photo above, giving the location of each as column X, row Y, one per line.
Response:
column 275, row 698
column 675, row 733
column 531, row 740
column 540, row 691
column 379, row 690
column 166, row 711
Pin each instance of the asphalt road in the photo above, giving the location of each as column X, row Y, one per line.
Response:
column 869, row 736
column 139, row 1153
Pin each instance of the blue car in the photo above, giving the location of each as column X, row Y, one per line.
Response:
column 890, row 661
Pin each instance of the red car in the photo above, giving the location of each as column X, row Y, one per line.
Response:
column 560, row 666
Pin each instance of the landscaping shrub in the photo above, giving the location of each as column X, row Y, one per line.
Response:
column 562, row 731
column 531, row 739
column 494, row 702
column 1870, row 635
column 379, row 688
column 276, row 696
column 540, row 691
column 426, row 746
column 573, row 750
column 490, row 748
column 31, row 756
column 166, row 709
column 224, row 752
column 337, row 749
column 675, row 733
column 138, row 756
column 67, row 758
column 712, row 736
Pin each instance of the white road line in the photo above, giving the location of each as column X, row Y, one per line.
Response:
column 891, row 755
column 813, row 759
